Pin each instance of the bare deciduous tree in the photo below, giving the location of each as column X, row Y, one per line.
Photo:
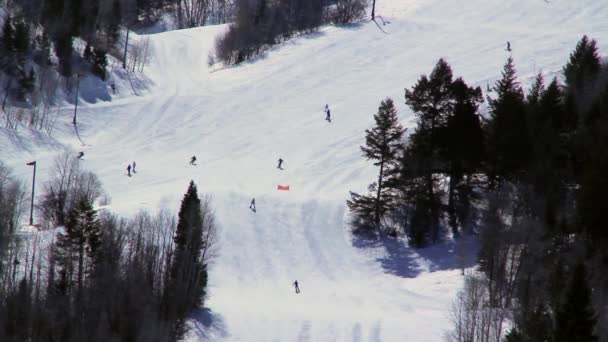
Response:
column 67, row 185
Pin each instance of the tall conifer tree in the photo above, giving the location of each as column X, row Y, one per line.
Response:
column 575, row 320
column 507, row 133
column 382, row 144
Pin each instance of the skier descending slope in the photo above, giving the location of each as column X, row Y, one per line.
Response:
column 327, row 111
column 193, row 160
column 280, row 166
column 129, row 170
column 252, row 205
column 295, row 284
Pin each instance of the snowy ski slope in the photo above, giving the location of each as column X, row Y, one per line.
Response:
column 238, row 121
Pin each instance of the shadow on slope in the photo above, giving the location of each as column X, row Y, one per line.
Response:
column 25, row 140
column 399, row 259
column 208, row 325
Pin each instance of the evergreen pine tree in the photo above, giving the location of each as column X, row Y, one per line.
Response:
column 583, row 65
column 507, row 134
column 22, row 39
column 575, row 320
column 8, row 63
column 8, row 36
column 100, row 63
column 113, row 26
column 27, row 82
column 43, row 53
column 382, row 144
column 188, row 273
column 536, row 91
column 63, row 50
column 547, row 120
column 551, row 107
column 76, row 18
column 580, row 74
column 463, row 150
column 463, row 134
column 80, row 241
column 591, row 206
column 87, row 54
column 432, row 101
column 536, row 328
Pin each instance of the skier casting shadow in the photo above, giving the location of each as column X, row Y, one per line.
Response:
column 328, row 112
column 252, row 205
column 295, row 284
column 193, row 160
column 129, row 170
column 280, row 166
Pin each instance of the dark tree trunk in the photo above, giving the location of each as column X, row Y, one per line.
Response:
column 374, row 9
column 378, row 195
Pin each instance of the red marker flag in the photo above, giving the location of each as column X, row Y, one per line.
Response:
column 283, row 187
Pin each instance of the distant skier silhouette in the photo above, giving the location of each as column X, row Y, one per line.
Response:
column 252, row 205
column 129, row 170
column 295, row 284
column 134, row 167
column 328, row 112
column 80, row 155
column 193, row 160
column 508, row 46
column 280, row 166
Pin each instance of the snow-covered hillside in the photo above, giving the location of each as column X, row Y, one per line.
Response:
column 238, row 121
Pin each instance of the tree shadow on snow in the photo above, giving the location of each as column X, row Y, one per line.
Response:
column 28, row 141
column 208, row 326
column 396, row 257
column 352, row 26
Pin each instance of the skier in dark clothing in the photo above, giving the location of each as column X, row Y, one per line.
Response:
column 280, row 166
column 193, row 160
column 295, row 284
column 129, row 170
column 252, row 205
column 508, row 46
column 327, row 111
column 80, row 155
column 134, row 167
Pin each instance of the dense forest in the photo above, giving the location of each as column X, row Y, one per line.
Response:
column 528, row 179
column 99, row 277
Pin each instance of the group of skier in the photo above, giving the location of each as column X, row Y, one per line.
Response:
column 131, row 168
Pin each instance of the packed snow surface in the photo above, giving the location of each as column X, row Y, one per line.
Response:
column 239, row 120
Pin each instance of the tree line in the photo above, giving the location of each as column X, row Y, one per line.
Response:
column 97, row 276
column 259, row 24
column 528, row 179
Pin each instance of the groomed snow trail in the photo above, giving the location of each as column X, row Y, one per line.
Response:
column 238, row 121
